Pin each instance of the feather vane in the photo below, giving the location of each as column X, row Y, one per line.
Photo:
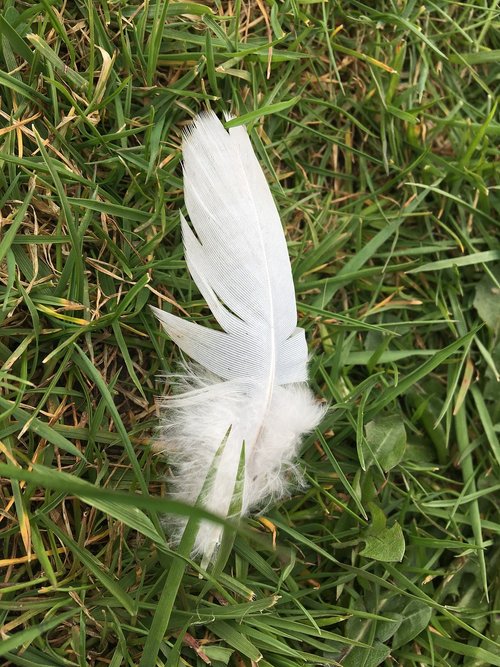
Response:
column 250, row 376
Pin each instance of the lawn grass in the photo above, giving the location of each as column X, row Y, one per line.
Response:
column 377, row 127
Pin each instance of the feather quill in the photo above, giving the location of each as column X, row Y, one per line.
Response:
column 250, row 377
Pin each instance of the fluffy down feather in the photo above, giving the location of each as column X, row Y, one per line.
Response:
column 251, row 376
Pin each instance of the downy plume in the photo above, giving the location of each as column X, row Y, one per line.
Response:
column 249, row 377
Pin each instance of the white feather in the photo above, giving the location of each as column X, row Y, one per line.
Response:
column 250, row 376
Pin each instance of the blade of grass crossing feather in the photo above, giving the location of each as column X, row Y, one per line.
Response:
column 161, row 618
column 56, row 480
column 234, row 514
column 467, row 466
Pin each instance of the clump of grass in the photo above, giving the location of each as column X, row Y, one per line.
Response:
column 378, row 128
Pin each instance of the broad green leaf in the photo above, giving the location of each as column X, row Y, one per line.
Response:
column 385, row 442
column 366, row 657
column 416, row 616
column 389, row 626
column 487, row 302
column 388, row 545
